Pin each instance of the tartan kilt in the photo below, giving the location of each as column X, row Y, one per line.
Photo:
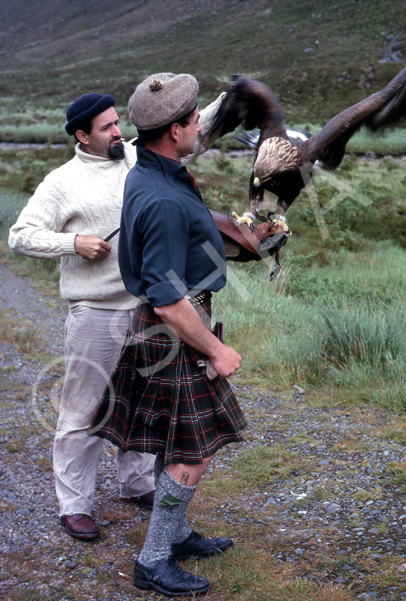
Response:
column 160, row 401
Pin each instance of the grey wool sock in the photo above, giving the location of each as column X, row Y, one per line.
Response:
column 159, row 467
column 168, row 522
column 184, row 529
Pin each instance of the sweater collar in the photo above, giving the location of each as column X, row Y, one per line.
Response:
column 89, row 158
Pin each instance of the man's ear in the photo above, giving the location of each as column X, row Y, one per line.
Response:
column 174, row 132
column 82, row 136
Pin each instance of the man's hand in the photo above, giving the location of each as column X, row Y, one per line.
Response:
column 182, row 318
column 226, row 362
column 91, row 247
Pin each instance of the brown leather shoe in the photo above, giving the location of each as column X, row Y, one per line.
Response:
column 146, row 501
column 81, row 526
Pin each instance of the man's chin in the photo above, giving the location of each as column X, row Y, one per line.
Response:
column 116, row 151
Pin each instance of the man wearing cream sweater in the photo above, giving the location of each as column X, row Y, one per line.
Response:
column 69, row 216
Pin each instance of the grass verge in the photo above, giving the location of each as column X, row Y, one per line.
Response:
column 333, row 319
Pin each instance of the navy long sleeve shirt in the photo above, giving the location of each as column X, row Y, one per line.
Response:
column 169, row 244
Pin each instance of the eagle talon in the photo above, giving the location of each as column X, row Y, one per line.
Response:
column 281, row 221
column 247, row 218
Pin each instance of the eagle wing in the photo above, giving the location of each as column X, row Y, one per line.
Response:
column 252, row 103
column 378, row 110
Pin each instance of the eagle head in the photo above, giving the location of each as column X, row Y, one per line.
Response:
column 274, row 156
column 277, row 169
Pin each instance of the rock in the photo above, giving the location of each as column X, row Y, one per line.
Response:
column 332, row 507
column 271, row 501
column 23, row 512
column 72, row 564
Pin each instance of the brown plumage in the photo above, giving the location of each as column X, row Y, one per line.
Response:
column 282, row 164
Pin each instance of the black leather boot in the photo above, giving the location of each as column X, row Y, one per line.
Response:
column 168, row 578
column 197, row 546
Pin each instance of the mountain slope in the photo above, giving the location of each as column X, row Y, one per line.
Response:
column 318, row 56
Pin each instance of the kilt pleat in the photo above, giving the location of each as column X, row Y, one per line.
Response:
column 159, row 400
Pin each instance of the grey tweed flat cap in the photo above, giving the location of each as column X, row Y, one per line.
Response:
column 161, row 99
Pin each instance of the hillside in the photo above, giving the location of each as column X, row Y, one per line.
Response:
column 318, row 56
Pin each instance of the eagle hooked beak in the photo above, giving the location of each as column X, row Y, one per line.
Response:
column 256, row 183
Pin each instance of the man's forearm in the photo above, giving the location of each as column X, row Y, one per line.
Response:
column 188, row 326
column 34, row 241
column 38, row 231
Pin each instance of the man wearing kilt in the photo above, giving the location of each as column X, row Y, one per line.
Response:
column 160, row 400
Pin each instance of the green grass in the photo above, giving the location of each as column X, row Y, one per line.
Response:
column 19, row 333
column 353, row 345
column 386, row 142
column 33, row 133
column 11, row 205
column 44, row 123
column 263, row 578
column 22, row 169
column 363, row 349
column 46, row 270
column 396, row 474
column 258, row 467
column 361, row 201
column 333, row 319
column 47, row 126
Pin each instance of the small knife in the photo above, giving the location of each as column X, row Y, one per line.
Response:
column 110, row 236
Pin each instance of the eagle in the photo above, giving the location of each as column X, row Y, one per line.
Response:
column 283, row 162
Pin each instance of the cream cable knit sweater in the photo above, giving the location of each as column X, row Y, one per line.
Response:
column 83, row 196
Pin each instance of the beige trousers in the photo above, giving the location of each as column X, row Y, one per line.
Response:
column 93, row 341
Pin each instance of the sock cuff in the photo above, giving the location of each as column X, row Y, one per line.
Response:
column 181, row 491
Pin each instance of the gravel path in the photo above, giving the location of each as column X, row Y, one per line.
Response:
column 330, row 502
